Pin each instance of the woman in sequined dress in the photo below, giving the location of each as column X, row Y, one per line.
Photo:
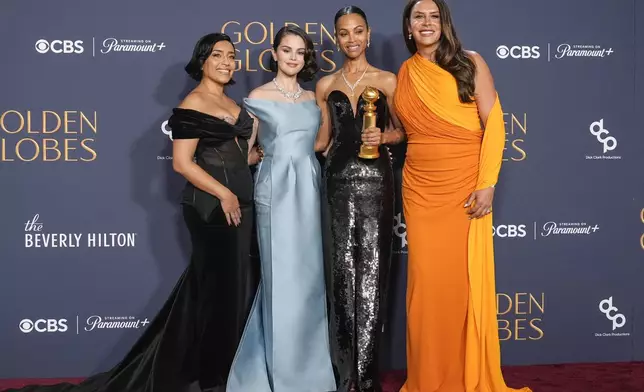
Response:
column 358, row 204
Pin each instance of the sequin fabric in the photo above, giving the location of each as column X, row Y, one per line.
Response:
column 359, row 206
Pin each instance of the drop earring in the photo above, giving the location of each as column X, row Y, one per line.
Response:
column 409, row 36
column 368, row 43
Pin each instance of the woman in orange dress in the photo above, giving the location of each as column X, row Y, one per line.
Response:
column 448, row 105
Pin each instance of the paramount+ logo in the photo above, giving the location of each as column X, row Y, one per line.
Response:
column 43, row 325
column 59, row 46
column 523, row 52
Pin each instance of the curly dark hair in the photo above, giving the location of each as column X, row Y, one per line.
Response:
column 450, row 54
column 307, row 73
column 203, row 49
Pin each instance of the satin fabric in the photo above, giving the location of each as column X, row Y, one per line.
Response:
column 285, row 347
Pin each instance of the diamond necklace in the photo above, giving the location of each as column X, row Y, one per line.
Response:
column 294, row 96
column 353, row 87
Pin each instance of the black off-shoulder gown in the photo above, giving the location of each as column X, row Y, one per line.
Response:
column 192, row 340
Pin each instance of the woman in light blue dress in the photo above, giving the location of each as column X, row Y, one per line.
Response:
column 285, row 346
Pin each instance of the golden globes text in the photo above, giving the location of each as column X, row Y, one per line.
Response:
column 253, row 42
column 48, row 136
column 520, row 315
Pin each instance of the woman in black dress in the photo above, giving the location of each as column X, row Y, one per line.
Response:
column 359, row 204
column 194, row 336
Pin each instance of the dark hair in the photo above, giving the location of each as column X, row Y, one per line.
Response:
column 348, row 10
column 203, row 49
column 310, row 63
column 450, row 54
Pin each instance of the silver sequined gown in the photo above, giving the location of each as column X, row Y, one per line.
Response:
column 358, row 217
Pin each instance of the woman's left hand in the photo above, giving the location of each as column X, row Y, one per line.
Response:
column 255, row 155
column 480, row 203
column 372, row 136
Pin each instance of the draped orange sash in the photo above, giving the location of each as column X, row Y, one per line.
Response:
column 427, row 104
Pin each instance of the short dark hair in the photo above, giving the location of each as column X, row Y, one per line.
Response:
column 348, row 10
column 310, row 63
column 203, row 49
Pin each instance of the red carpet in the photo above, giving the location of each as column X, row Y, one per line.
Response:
column 599, row 377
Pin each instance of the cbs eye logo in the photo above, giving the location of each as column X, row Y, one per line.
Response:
column 43, row 325
column 58, row 46
column 518, row 52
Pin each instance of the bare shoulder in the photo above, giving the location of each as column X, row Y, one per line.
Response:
column 308, row 95
column 323, row 84
column 194, row 101
column 263, row 91
column 387, row 76
column 478, row 61
column 388, row 81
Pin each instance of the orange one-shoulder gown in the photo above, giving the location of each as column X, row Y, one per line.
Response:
column 452, row 335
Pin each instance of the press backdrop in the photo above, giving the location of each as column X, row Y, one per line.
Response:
column 92, row 239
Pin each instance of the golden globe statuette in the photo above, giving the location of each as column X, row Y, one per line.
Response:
column 370, row 95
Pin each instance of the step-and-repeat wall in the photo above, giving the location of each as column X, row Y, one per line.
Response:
column 93, row 240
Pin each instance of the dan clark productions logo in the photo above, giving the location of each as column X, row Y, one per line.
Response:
column 516, row 130
column 42, row 325
column 48, row 135
column 168, row 132
column 554, row 51
column 604, row 139
column 642, row 220
column 37, row 237
column 520, row 316
column 400, row 231
column 254, row 40
column 105, row 46
column 616, row 318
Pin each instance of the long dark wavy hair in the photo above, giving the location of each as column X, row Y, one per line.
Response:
column 310, row 62
column 450, row 54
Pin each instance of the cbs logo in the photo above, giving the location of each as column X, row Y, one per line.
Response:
column 59, row 46
column 518, row 52
column 509, row 231
column 43, row 325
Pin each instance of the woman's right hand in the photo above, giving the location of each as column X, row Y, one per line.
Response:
column 230, row 206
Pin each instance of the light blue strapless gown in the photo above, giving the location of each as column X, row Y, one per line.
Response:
column 285, row 346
